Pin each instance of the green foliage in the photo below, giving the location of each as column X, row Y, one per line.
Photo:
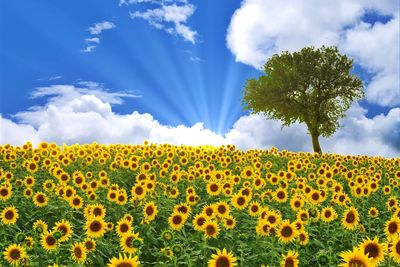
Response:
column 312, row 86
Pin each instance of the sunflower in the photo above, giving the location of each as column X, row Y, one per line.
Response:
column 90, row 244
column 254, row 209
column 229, row 222
column 281, row 195
column 48, row 241
column 126, row 243
column 213, row 189
column 328, row 214
column 138, row 191
column 373, row 249
column 176, row 220
column 198, row 221
column 239, row 201
column 14, row 253
column 211, row 229
column 290, row 259
column 65, row 228
column 303, row 237
column 76, row 202
column 5, row 193
column 222, row 258
column 373, row 212
column 286, row 231
column 222, row 209
column 150, row 211
column 350, row 218
column 395, row 249
column 95, row 227
column 392, row 227
column 98, row 210
column 9, row 215
column 29, row 181
column 78, row 252
column 355, row 258
column 296, row 203
column 40, row 226
column 40, row 199
column 183, row 209
column 125, row 261
column 124, row 226
column 263, row 227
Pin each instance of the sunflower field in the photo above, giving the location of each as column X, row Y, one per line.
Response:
column 165, row 205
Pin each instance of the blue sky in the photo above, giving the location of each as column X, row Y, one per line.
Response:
column 184, row 62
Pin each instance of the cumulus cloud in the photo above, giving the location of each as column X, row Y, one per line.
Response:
column 84, row 114
column 261, row 28
column 170, row 17
column 377, row 48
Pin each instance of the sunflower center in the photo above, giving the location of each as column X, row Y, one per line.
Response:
column 4, row 192
column 372, row 249
column 183, row 209
column 281, row 195
column 328, row 213
column 222, row 261
column 177, row 219
column 210, row 230
column 240, row 201
column 95, row 226
column 221, row 209
column 214, row 187
column 76, row 201
column 271, row 219
column 200, row 221
column 289, row 262
column 315, row 196
column 9, row 215
column 139, row 190
column 40, row 199
column 149, row 210
column 287, row 231
column 128, row 241
column 124, row 264
column 302, row 237
column 350, row 217
column 254, row 208
column 78, row 252
column 97, row 211
column 63, row 229
column 123, row 228
column 15, row 254
column 50, row 240
column 89, row 245
column 392, row 227
column 398, row 247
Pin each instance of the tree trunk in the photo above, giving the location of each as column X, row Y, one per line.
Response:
column 315, row 143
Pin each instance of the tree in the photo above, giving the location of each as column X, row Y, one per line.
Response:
column 312, row 86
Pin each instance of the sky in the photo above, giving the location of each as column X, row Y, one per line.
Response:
column 168, row 71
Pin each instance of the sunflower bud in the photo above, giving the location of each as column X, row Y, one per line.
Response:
column 57, row 235
column 20, row 237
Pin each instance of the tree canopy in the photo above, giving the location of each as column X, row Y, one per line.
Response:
column 311, row 86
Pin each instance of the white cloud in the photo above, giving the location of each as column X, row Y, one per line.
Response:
column 93, row 40
column 377, row 48
column 101, row 26
column 261, row 28
column 89, row 48
column 84, row 115
column 96, row 30
column 170, row 17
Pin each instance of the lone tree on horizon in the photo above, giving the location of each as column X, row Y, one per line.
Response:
column 312, row 86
